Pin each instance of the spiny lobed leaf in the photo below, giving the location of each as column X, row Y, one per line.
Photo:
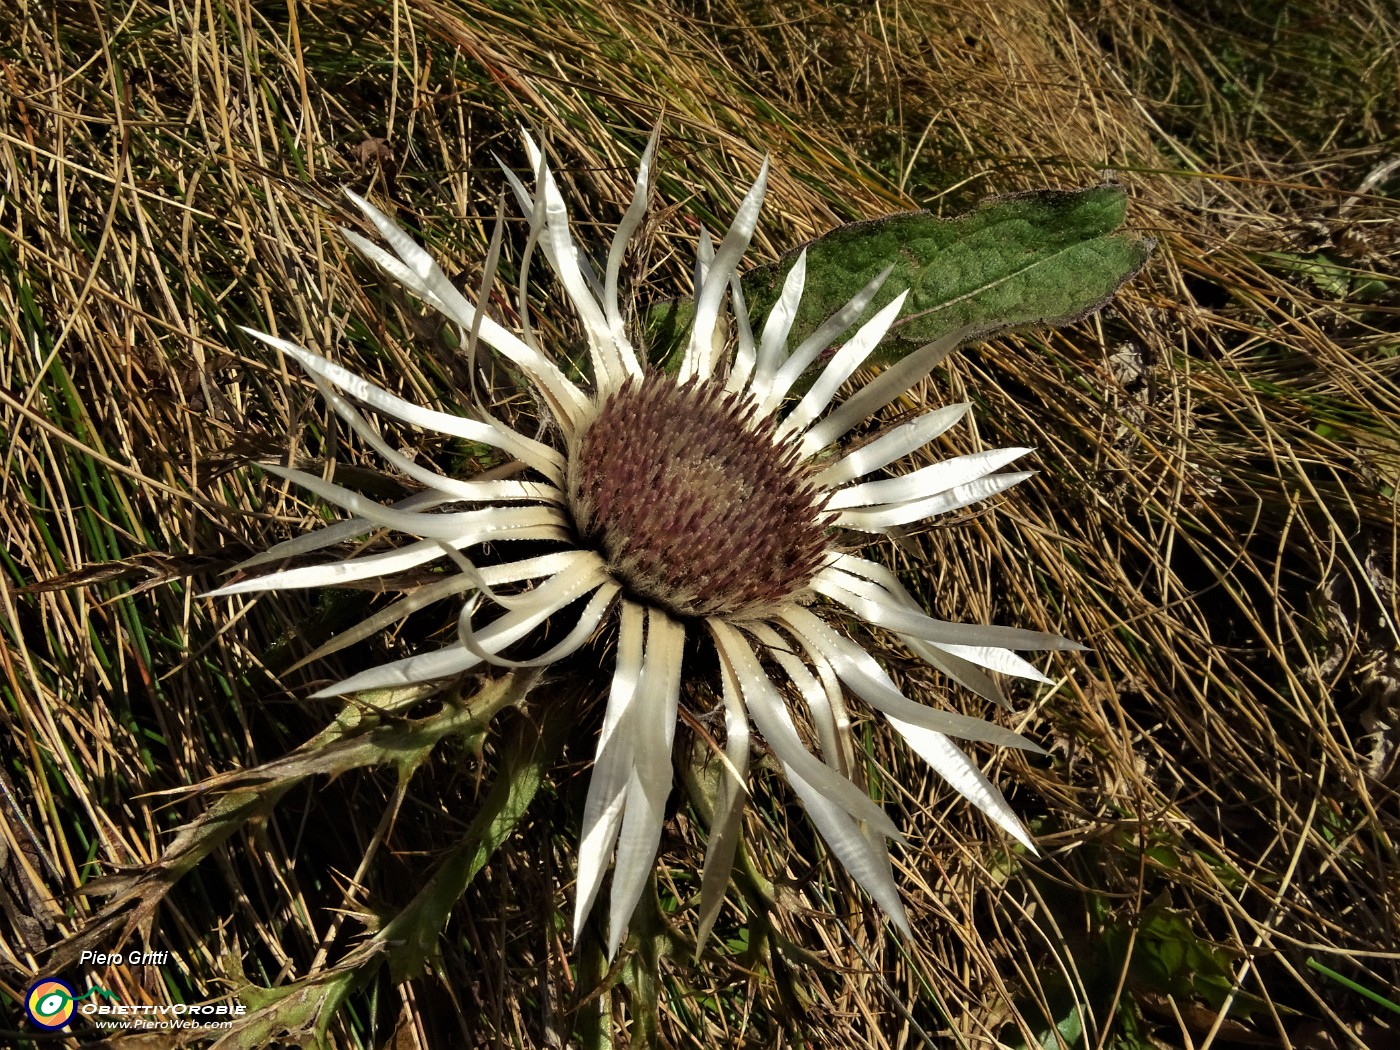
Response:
column 1047, row 257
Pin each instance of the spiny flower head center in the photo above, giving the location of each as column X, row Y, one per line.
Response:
column 696, row 506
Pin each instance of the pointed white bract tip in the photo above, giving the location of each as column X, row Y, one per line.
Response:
column 364, row 205
column 901, row 923
column 754, row 200
column 760, row 184
column 532, row 150
column 616, row 932
column 230, row 589
column 273, row 341
column 242, row 585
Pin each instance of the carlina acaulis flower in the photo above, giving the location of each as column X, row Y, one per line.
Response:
column 699, row 503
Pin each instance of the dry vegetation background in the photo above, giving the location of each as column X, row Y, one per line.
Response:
column 1215, row 512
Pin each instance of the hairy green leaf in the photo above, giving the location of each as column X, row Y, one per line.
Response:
column 1047, row 257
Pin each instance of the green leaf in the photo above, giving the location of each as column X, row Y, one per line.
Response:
column 1168, row 957
column 357, row 738
column 1047, row 257
column 1067, row 1033
column 413, row 934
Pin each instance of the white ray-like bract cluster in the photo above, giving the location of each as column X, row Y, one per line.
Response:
column 702, row 502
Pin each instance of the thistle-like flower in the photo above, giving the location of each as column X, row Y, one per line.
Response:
column 708, row 501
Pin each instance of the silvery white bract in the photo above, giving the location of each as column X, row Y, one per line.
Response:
column 704, row 501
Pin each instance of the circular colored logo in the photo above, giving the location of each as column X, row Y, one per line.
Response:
column 49, row 1003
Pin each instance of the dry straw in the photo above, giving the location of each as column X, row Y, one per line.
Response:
column 1217, row 522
